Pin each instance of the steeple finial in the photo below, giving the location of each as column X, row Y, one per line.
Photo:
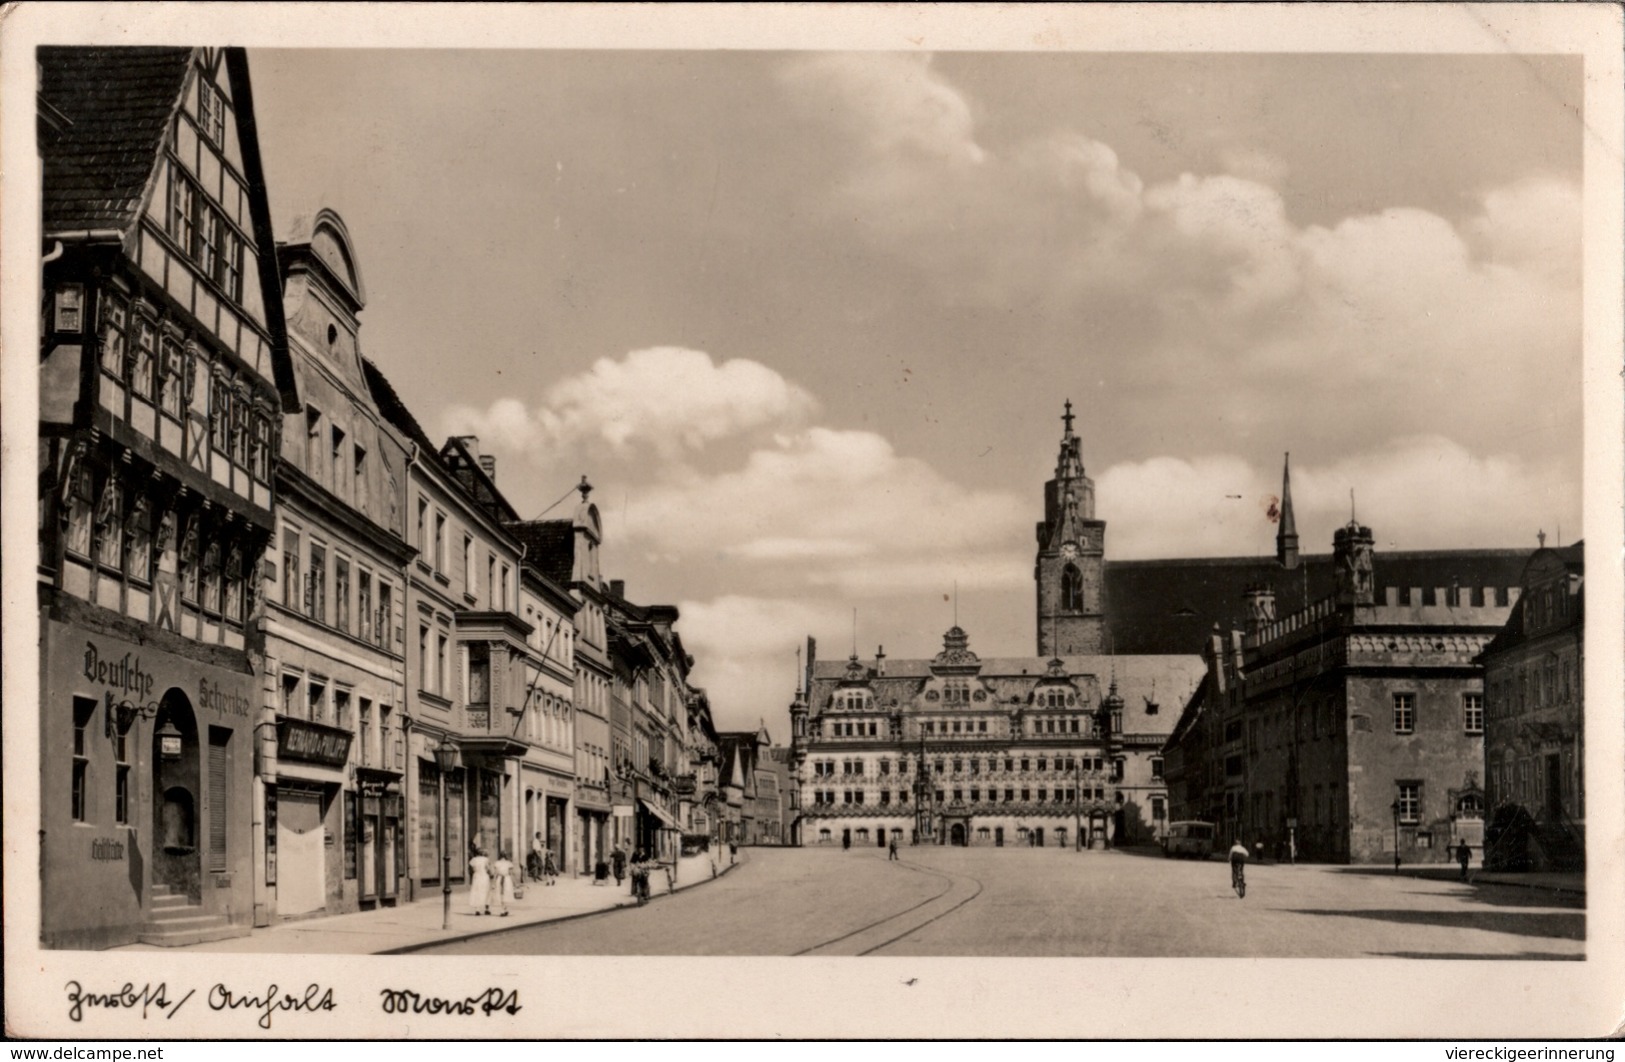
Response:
column 1286, row 534
column 1540, row 536
column 1067, row 417
column 584, row 487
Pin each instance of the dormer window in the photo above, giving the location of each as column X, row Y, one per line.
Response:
column 211, row 112
column 852, row 700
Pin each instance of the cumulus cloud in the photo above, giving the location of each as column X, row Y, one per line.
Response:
column 745, row 652
column 821, row 495
column 906, row 106
column 1419, row 492
column 667, row 400
column 1474, row 320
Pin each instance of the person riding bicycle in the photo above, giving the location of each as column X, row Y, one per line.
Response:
column 1238, row 860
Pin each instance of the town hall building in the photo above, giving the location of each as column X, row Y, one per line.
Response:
column 1060, row 749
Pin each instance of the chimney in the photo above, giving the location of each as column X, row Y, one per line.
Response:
column 617, row 587
column 880, row 661
column 488, row 465
column 471, row 443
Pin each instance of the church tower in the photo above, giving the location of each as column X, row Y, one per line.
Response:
column 1070, row 569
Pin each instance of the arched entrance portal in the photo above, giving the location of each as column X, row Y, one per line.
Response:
column 956, row 834
column 176, row 787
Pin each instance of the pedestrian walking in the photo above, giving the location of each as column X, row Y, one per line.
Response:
column 617, row 861
column 891, row 849
column 533, row 862
column 550, row 869
column 846, row 840
column 479, row 883
column 1464, row 856
column 600, row 873
column 733, row 852
column 640, row 878
column 502, row 883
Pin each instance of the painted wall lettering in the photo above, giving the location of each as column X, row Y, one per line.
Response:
column 108, row 849
column 222, row 701
column 123, row 674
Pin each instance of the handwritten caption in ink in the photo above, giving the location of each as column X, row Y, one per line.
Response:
column 487, row 1003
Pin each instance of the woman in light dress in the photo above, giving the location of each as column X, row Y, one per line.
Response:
column 479, row 883
column 502, row 885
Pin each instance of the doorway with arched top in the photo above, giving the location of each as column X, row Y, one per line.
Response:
column 176, row 789
column 956, row 835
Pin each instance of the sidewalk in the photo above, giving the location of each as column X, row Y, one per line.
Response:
column 1572, row 883
column 410, row 926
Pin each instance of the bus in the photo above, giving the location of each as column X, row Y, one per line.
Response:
column 1188, row 840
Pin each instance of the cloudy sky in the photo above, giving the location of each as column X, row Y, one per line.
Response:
column 807, row 320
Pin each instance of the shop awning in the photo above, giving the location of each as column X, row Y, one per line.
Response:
column 492, row 746
column 659, row 813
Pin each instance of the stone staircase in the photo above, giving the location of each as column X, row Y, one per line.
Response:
column 174, row 921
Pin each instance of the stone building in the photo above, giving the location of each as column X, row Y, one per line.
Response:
column 550, row 764
column 1063, row 748
column 471, row 656
column 772, row 812
column 333, row 766
column 1351, row 728
column 697, row 784
column 164, row 375
column 1070, row 567
column 566, row 553
column 738, row 783
column 1534, row 720
column 534, row 717
column 648, row 723
column 1011, row 751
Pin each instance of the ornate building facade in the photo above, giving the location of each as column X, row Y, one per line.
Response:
column 164, row 374
column 1070, row 567
column 1350, row 729
column 333, row 834
column 1059, row 749
column 1534, row 720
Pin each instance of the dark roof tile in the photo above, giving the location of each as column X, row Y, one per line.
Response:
column 1170, row 606
column 549, row 545
column 117, row 103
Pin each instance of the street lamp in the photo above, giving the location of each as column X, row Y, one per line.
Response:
column 445, row 758
column 1395, row 809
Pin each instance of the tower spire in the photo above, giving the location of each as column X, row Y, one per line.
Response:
column 1068, row 416
column 1286, row 534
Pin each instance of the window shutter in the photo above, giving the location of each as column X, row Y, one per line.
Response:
column 217, row 802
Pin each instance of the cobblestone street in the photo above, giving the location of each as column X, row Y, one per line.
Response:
column 1051, row 902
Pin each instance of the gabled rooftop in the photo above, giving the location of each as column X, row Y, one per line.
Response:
column 114, row 106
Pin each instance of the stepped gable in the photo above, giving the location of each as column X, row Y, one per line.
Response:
column 113, row 106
